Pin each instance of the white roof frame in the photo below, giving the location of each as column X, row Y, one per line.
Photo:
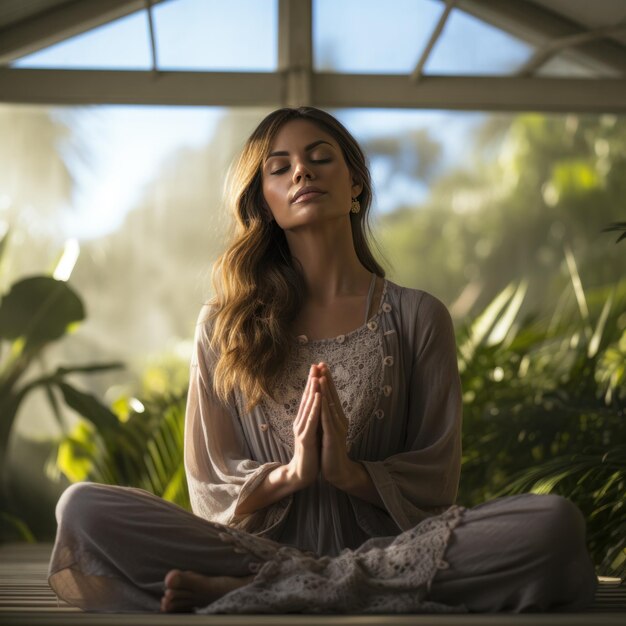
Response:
column 296, row 83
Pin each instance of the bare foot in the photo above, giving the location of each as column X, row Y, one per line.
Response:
column 185, row 590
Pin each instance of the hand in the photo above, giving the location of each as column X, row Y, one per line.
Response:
column 336, row 464
column 305, row 463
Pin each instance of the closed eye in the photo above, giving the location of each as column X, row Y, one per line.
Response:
column 284, row 169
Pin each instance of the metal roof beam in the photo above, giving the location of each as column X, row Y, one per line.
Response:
column 419, row 68
column 470, row 93
column 79, row 87
column 295, row 50
column 538, row 26
column 543, row 55
column 478, row 93
column 153, row 46
column 56, row 25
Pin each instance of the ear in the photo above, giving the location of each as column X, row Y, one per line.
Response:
column 357, row 187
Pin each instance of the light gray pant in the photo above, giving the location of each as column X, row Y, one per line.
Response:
column 518, row 553
column 114, row 546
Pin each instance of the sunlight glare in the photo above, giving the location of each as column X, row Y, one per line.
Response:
column 68, row 259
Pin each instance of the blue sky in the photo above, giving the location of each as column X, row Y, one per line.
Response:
column 357, row 36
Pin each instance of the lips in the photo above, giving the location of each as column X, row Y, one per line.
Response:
column 307, row 193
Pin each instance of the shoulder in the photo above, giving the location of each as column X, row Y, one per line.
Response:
column 203, row 333
column 205, row 317
column 421, row 316
column 416, row 304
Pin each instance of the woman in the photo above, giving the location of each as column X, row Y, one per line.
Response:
column 322, row 433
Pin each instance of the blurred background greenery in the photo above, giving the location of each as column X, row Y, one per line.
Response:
column 510, row 237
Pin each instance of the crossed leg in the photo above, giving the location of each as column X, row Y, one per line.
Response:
column 116, row 547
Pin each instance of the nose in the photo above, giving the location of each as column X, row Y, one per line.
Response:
column 301, row 170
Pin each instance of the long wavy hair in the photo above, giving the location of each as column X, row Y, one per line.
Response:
column 259, row 288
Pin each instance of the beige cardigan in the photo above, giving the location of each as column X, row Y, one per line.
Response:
column 398, row 380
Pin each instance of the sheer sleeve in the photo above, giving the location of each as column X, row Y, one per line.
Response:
column 218, row 464
column 423, row 478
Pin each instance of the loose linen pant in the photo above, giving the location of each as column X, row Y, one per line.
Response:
column 115, row 545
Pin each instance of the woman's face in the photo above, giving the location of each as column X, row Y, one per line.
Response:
column 303, row 155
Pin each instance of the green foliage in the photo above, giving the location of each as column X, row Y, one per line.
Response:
column 14, row 528
column 33, row 313
column 618, row 226
column 141, row 447
column 539, row 183
column 595, row 479
column 544, row 409
column 38, row 310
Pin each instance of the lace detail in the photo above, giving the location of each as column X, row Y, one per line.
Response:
column 260, row 547
column 356, row 365
column 375, row 578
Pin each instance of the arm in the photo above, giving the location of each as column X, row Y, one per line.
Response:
column 276, row 485
column 359, row 483
column 221, row 473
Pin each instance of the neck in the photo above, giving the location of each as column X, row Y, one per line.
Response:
column 331, row 268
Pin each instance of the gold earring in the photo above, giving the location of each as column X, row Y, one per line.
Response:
column 355, row 207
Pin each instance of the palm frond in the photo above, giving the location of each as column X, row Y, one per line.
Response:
column 145, row 451
column 617, row 226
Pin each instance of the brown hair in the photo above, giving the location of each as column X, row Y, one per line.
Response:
column 259, row 288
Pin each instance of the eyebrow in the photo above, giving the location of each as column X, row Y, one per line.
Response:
column 306, row 148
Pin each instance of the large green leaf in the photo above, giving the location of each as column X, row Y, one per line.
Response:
column 39, row 309
column 88, row 369
column 90, row 408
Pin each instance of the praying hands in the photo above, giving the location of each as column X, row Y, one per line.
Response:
column 321, row 410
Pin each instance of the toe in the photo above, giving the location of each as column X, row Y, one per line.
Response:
column 175, row 594
column 173, row 579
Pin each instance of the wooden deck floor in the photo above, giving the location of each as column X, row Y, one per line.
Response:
column 25, row 598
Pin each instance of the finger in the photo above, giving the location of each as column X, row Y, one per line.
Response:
column 313, row 416
column 304, row 418
column 333, row 395
column 309, row 430
column 337, row 416
column 332, row 388
column 305, row 395
column 327, row 420
column 330, row 399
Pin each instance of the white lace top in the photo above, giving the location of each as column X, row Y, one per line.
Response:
column 355, row 356
column 397, row 379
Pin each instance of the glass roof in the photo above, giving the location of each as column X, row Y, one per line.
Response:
column 371, row 37
column 190, row 35
column 467, row 46
column 349, row 36
column 122, row 44
column 238, row 35
column 561, row 66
